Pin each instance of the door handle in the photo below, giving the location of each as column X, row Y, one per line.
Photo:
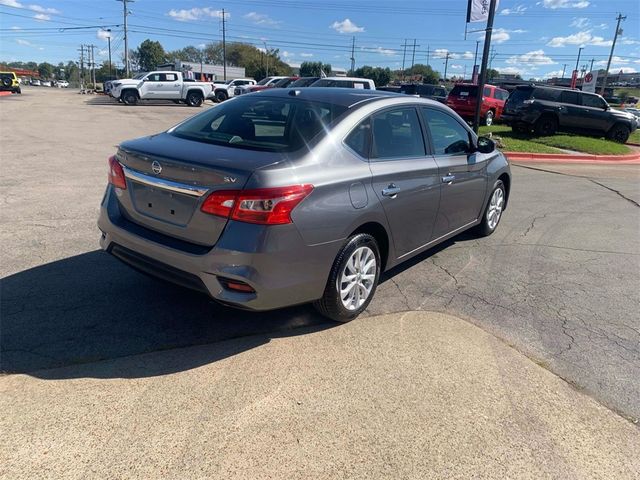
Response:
column 391, row 191
column 448, row 178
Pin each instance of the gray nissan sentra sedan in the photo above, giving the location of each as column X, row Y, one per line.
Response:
column 290, row 196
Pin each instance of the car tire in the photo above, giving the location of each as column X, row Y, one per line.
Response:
column 493, row 212
column 129, row 97
column 345, row 307
column 221, row 96
column 619, row 133
column 546, row 126
column 177, row 102
column 520, row 128
column 7, row 82
column 488, row 118
column 194, row 99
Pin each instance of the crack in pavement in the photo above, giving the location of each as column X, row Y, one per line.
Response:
column 616, row 192
column 533, row 223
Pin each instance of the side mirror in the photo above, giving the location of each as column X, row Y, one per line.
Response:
column 486, row 145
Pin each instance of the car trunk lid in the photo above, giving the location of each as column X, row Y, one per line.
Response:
column 168, row 179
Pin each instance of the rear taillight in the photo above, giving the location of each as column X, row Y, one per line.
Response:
column 268, row 206
column 116, row 174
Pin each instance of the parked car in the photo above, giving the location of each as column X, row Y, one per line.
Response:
column 268, row 82
column 463, row 99
column 226, row 91
column 304, row 82
column 433, row 92
column 345, row 82
column 62, row 84
column 285, row 198
column 546, row 110
column 35, row 82
column 9, row 82
column 161, row 85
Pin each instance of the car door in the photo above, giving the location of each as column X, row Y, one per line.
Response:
column 151, row 86
column 594, row 111
column 404, row 178
column 462, row 173
column 171, row 86
column 570, row 109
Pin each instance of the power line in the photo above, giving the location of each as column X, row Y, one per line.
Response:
column 125, row 14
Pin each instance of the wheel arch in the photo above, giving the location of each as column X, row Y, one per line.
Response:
column 377, row 231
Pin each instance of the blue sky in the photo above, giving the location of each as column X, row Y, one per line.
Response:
column 533, row 38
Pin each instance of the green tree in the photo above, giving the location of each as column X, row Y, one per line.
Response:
column 186, row 54
column 492, row 73
column 429, row 75
column 313, row 69
column 150, row 55
column 46, row 70
column 380, row 76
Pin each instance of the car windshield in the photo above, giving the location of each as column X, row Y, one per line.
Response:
column 464, row 91
column 264, row 124
column 284, row 82
column 140, row 76
column 303, row 82
column 264, row 81
column 519, row 95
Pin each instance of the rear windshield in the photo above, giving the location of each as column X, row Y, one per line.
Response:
column 464, row 91
column 303, row 82
column 325, row 82
column 285, row 82
column 519, row 95
column 263, row 124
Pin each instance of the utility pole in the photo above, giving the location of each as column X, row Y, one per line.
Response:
column 475, row 59
column 224, row 48
column 266, row 54
column 110, row 64
column 446, row 64
column 591, row 68
column 353, row 54
column 413, row 56
column 613, row 45
column 485, row 60
column 428, row 53
column 81, row 68
column 404, row 54
column 125, row 13
column 564, row 68
column 93, row 66
column 578, row 60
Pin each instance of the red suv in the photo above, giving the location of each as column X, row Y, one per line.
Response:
column 463, row 97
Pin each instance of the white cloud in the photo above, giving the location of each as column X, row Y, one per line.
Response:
column 33, row 8
column 518, row 10
column 554, row 4
column 628, row 41
column 511, row 70
column 385, row 51
column 534, row 59
column 27, row 43
column 455, row 66
column 195, row 14
column 285, row 54
column 11, row 3
column 346, row 26
column 42, row 16
column 500, row 35
column 261, row 19
column 103, row 34
column 615, row 61
column 467, row 55
column 580, row 38
column 306, row 55
column 580, row 22
column 552, row 74
column 39, row 9
column 15, row 28
column 442, row 53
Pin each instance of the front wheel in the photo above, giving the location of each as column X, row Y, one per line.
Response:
column 221, row 96
column 353, row 279
column 130, row 97
column 488, row 118
column 493, row 212
column 194, row 99
column 619, row 133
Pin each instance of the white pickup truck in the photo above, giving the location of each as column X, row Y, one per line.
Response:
column 161, row 85
column 227, row 90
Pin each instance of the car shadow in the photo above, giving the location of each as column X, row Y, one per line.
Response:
column 106, row 101
column 83, row 309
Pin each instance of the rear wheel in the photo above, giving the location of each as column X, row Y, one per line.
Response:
column 545, row 126
column 194, row 99
column 519, row 128
column 129, row 97
column 221, row 96
column 619, row 133
column 488, row 118
column 353, row 279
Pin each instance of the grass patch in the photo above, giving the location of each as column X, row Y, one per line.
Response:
column 522, row 142
column 635, row 136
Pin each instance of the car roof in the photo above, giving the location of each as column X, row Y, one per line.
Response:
column 347, row 78
column 346, row 97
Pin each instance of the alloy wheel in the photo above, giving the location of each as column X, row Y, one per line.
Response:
column 357, row 279
column 496, row 205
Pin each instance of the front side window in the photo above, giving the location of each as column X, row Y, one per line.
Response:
column 154, row 77
column 449, row 137
column 273, row 124
column 487, row 92
column 397, row 134
column 570, row 97
column 593, row 101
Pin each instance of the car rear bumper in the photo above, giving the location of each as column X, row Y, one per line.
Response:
column 273, row 260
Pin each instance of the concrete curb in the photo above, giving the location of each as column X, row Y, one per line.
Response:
column 580, row 158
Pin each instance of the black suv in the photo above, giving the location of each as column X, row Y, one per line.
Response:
column 549, row 109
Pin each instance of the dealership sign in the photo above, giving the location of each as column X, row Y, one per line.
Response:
column 589, row 82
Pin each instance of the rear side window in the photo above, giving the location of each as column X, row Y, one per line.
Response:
column 273, row 124
column 549, row 94
column 570, row 97
column 358, row 140
column 519, row 95
column 169, row 77
column 397, row 134
column 449, row 137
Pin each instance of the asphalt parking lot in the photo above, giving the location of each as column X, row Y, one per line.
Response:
column 559, row 280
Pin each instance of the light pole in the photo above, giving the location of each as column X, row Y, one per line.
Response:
column 266, row 56
column 110, row 64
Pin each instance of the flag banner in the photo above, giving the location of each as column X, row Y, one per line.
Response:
column 589, row 82
column 478, row 10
